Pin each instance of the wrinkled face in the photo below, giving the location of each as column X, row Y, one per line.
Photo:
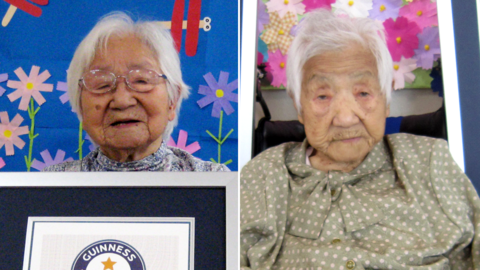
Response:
column 343, row 108
column 123, row 119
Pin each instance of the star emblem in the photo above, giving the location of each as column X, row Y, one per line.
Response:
column 108, row 264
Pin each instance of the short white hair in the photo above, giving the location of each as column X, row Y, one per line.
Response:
column 151, row 34
column 321, row 31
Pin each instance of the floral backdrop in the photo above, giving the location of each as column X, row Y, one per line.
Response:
column 37, row 125
column 411, row 28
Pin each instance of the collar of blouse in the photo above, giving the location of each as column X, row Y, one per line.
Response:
column 320, row 189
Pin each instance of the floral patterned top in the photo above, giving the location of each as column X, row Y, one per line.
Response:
column 406, row 206
column 166, row 159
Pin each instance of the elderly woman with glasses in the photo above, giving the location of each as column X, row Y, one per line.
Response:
column 126, row 86
column 349, row 197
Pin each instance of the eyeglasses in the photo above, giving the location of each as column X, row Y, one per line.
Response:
column 139, row 80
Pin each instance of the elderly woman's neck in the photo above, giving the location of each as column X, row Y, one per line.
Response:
column 130, row 154
column 325, row 164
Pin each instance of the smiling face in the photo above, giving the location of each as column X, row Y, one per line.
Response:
column 343, row 107
column 127, row 125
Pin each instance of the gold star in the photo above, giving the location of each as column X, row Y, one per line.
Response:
column 108, row 264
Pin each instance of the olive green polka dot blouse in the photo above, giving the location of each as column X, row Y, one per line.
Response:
column 406, row 206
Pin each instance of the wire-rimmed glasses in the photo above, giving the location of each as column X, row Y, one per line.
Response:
column 140, row 80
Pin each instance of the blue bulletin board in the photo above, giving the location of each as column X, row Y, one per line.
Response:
column 39, row 38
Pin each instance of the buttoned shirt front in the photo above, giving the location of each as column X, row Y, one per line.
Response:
column 406, row 206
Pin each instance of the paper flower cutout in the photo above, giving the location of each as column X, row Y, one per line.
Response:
column 2, row 163
column 48, row 160
column 401, row 37
column 314, row 4
column 278, row 64
column 276, row 34
column 384, row 9
column 428, row 47
column 182, row 143
column 285, row 6
column 423, row 12
column 402, row 72
column 9, row 132
column 62, row 86
column 29, row 87
column 262, row 16
column 219, row 93
column 3, row 77
column 353, row 8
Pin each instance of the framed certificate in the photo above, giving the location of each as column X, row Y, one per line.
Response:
column 208, row 198
column 80, row 243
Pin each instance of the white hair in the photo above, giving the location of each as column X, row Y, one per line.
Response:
column 151, row 34
column 321, row 31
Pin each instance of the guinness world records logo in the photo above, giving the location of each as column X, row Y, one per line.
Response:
column 109, row 255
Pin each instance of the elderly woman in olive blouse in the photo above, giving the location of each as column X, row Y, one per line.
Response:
column 348, row 197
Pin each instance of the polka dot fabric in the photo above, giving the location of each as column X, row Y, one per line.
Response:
column 406, row 206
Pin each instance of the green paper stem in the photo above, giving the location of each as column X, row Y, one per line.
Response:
column 220, row 141
column 31, row 134
column 80, row 141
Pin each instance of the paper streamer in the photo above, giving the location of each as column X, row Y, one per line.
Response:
column 220, row 93
column 193, row 19
column 27, row 7
column 177, row 21
column 48, row 160
column 182, row 143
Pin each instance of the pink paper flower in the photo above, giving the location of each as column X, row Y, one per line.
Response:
column 429, row 47
column 423, row 12
column 278, row 64
column 182, row 143
column 402, row 37
column 48, row 160
column 314, row 4
column 402, row 72
column 353, row 8
column 9, row 132
column 285, row 6
column 277, row 33
column 384, row 9
column 2, row 163
column 29, row 87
